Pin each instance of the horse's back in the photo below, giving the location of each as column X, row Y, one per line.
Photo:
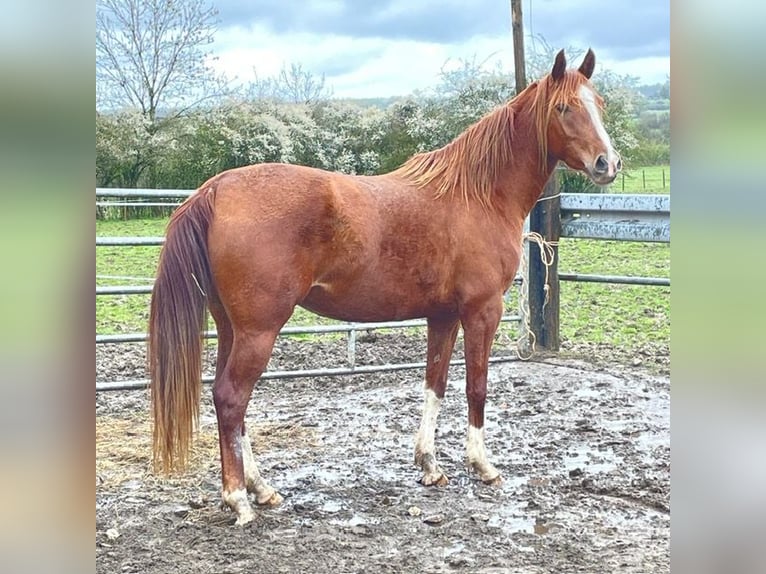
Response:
column 278, row 227
column 263, row 191
column 350, row 247
column 312, row 208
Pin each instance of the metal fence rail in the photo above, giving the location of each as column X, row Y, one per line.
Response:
column 330, row 372
column 298, row 330
column 122, row 192
column 128, row 241
column 621, row 217
column 615, row 279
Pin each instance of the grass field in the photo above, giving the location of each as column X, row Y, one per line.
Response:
column 652, row 179
column 622, row 315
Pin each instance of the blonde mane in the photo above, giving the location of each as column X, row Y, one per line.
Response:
column 471, row 164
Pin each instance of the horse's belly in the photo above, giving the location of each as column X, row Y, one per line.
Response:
column 364, row 305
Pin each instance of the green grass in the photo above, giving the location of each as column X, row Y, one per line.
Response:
column 628, row 316
column 125, row 266
column 642, row 180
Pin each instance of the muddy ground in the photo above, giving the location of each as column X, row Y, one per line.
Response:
column 584, row 448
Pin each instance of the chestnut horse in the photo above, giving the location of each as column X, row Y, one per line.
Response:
column 440, row 237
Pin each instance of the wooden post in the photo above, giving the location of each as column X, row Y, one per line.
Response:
column 520, row 69
column 519, row 63
column 545, row 219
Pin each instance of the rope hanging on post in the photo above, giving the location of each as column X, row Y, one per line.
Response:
column 547, row 256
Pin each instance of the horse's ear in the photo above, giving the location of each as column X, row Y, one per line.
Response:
column 588, row 64
column 559, row 66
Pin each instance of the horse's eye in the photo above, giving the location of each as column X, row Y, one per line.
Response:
column 562, row 108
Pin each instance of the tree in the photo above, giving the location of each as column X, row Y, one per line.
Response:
column 125, row 147
column 664, row 91
column 151, row 54
column 293, row 85
column 467, row 90
column 540, row 57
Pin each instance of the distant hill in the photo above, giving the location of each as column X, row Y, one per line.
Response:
column 656, row 97
column 381, row 103
column 655, row 91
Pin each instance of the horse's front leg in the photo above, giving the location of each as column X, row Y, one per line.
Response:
column 480, row 323
column 441, row 340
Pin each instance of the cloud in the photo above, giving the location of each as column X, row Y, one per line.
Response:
column 345, row 61
column 353, row 67
column 625, row 28
column 628, row 28
column 441, row 21
column 239, row 51
column 398, row 46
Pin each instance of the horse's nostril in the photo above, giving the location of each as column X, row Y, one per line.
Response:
column 618, row 166
column 602, row 165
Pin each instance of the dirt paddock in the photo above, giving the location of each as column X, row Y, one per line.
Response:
column 584, row 450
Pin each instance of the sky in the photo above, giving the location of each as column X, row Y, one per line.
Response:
column 382, row 48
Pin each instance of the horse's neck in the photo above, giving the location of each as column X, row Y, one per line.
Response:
column 523, row 180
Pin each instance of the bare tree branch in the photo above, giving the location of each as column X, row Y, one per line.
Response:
column 294, row 85
column 151, row 55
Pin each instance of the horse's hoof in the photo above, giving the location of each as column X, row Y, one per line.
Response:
column 238, row 502
column 434, row 479
column 274, row 499
column 497, row 481
column 245, row 516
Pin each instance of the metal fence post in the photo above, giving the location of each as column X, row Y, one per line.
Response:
column 545, row 219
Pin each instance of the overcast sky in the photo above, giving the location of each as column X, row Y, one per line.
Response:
column 369, row 48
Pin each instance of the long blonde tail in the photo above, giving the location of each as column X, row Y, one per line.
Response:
column 176, row 322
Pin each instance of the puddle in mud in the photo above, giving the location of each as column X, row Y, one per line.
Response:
column 355, row 520
column 589, row 460
column 512, row 523
column 324, row 473
column 454, row 549
column 587, row 393
column 331, row 507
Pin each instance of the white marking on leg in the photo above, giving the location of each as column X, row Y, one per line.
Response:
column 474, row 448
column 589, row 101
column 425, row 453
column 238, row 502
column 248, row 462
column 477, row 455
column 264, row 493
column 424, row 444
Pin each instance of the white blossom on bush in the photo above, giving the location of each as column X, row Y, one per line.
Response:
column 182, row 152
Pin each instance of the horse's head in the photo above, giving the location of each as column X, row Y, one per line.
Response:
column 569, row 108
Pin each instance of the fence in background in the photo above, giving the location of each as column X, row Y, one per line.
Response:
column 654, row 181
column 618, row 217
column 596, row 216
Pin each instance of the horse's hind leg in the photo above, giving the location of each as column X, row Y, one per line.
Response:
column 225, row 335
column 264, row 494
column 249, row 356
column 441, row 341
